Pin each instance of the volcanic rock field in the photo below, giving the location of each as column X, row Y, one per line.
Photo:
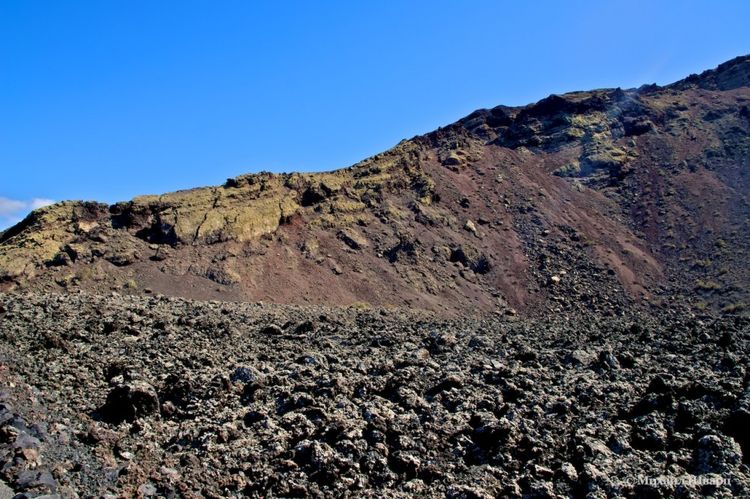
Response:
column 157, row 396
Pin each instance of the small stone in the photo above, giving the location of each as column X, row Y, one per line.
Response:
column 715, row 454
column 473, row 492
column 579, row 358
column 243, row 375
column 271, row 330
column 253, row 417
column 569, row 472
column 405, row 463
column 167, row 471
column 129, row 401
column 415, row 486
column 30, row 454
column 450, row 382
column 305, row 327
column 489, row 433
column 608, row 360
column 99, row 434
column 658, row 385
column 469, row 225
column 28, row 479
column 452, row 160
column 422, row 354
column 649, row 434
column 352, row 238
column 147, row 490
column 542, row 471
column 288, row 465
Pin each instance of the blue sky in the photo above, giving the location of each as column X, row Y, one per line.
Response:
column 107, row 100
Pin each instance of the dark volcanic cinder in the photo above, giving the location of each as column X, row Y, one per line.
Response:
column 204, row 401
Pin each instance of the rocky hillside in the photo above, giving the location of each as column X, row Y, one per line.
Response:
column 589, row 200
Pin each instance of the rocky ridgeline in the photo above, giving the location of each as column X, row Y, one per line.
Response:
column 124, row 396
column 591, row 200
column 244, row 209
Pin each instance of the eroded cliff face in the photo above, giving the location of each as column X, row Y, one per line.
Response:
column 592, row 200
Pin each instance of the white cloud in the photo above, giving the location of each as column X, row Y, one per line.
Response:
column 13, row 211
column 40, row 203
column 10, row 206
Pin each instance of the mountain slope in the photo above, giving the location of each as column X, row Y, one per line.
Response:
column 590, row 200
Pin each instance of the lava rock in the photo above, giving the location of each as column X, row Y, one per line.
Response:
column 716, row 454
column 129, row 401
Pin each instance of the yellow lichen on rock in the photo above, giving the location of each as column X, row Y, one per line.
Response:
column 261, row 217
column 244, row 208
column 39, row 237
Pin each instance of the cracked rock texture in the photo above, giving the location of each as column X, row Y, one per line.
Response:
column 131, row 395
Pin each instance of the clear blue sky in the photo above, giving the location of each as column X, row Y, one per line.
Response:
column 110, row 99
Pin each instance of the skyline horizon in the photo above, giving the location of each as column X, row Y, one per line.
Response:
column 8, row 205
column 107, row 102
